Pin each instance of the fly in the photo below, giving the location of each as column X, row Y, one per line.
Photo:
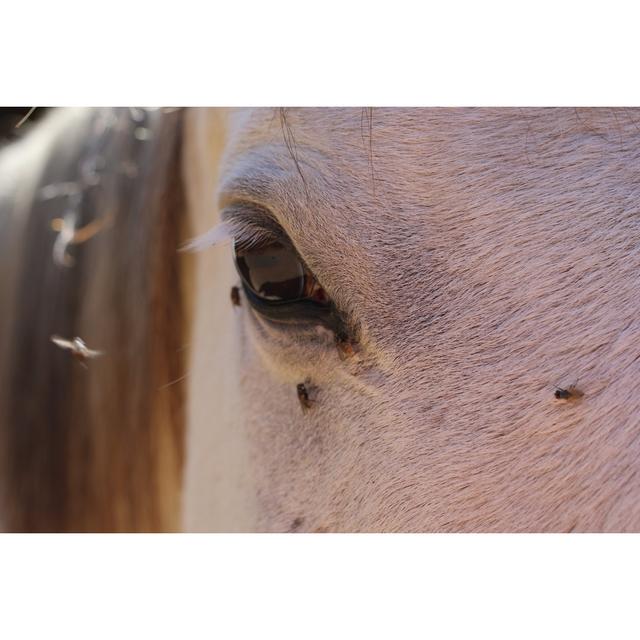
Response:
column 78, row 348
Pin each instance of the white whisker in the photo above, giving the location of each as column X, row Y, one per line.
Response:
column 169, row 384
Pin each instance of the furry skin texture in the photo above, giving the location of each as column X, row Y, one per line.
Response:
column 483, row 257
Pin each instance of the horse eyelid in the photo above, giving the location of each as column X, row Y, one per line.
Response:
column 249, row 220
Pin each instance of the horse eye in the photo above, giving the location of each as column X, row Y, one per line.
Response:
column 276, row 275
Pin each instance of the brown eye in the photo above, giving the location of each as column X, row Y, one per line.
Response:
column 273, row 273
column 276, row 275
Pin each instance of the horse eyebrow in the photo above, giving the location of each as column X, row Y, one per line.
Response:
column 240, row 211
column 257, row 187
column 266, row 175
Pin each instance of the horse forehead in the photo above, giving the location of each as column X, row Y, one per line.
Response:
column 406, row 162
column 417, row 130
column 406, row 158
column 355, row 134
column 359, row 135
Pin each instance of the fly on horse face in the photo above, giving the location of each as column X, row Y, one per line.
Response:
column 433, row 322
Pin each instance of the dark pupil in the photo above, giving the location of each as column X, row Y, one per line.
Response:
column 274, row 272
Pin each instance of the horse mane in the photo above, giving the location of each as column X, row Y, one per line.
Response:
column 101, row 448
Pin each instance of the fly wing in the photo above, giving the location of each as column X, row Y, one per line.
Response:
column 62, row 343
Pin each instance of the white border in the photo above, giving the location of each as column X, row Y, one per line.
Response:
column 319, row 586
column 374, row 53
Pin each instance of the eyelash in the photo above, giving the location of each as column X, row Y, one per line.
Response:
column 248, row 235
column 239, row 227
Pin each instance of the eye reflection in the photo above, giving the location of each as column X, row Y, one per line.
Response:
column 274, row 273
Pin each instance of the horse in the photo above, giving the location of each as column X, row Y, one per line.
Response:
column 321, row 320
